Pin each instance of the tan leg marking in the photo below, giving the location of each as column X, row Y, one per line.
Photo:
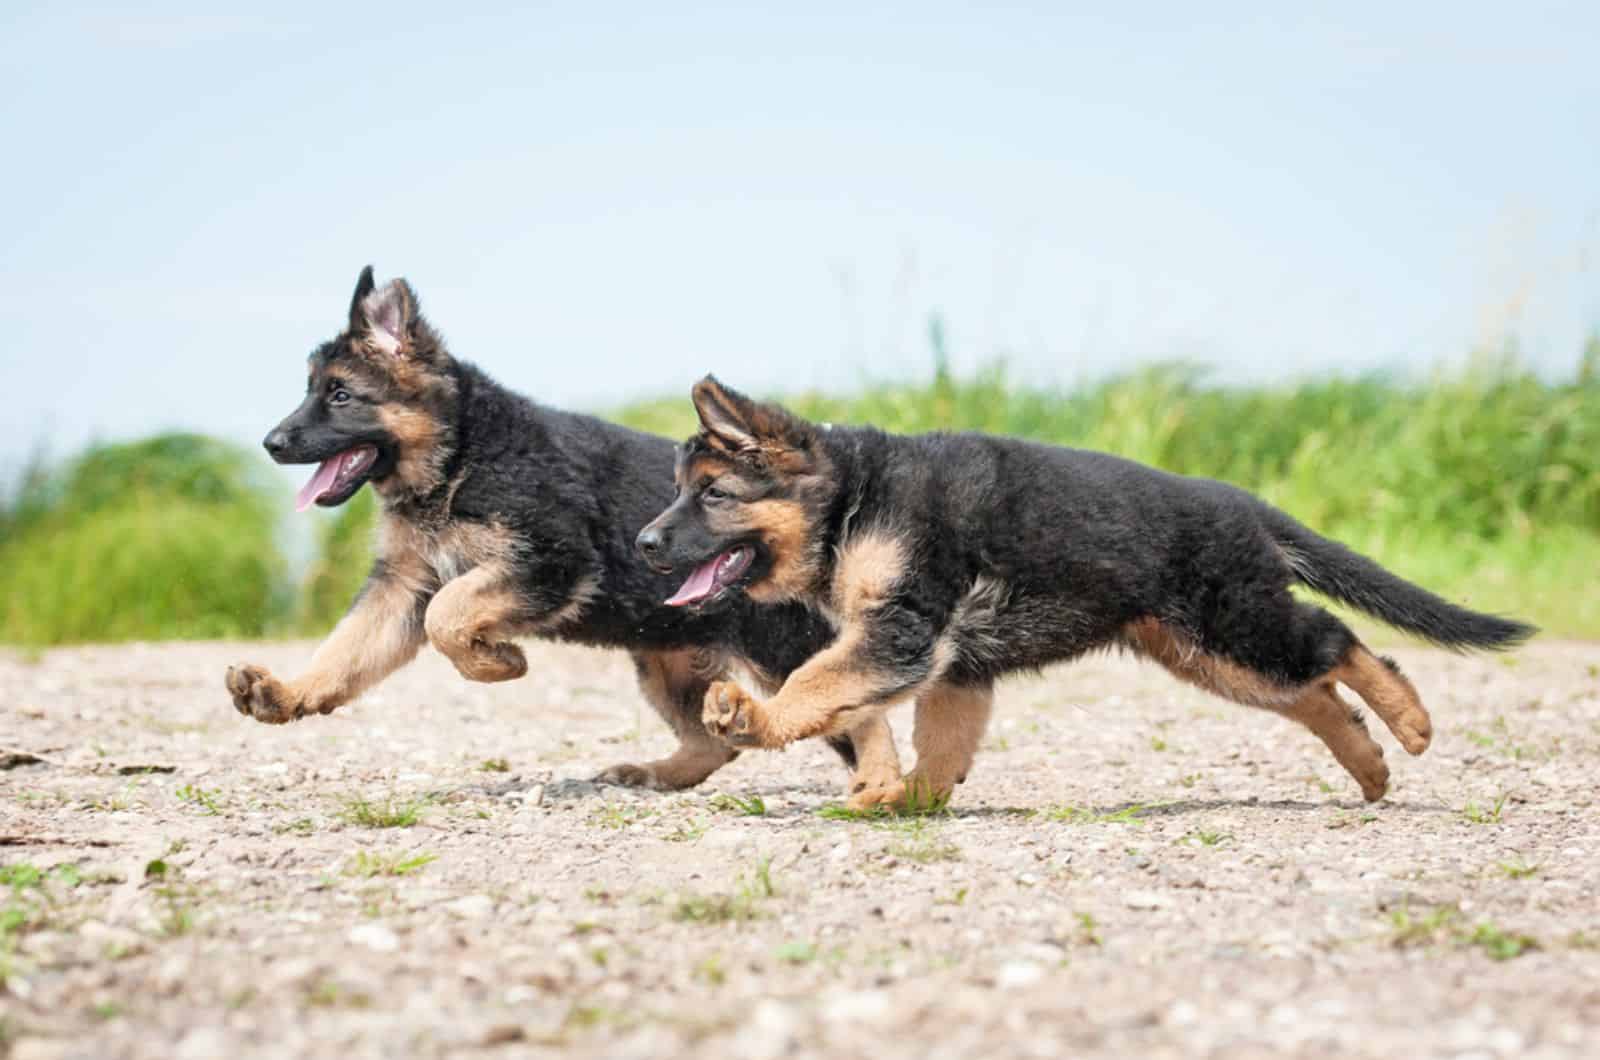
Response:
column 950, row 724
column 470, row 620
column 876, row 780
column 828, row 695
column 1317, row 705
column 835, row 690
column 1390, row 695
column 674, row 682
column 1338, row 725
column 1183, row 658
column 381, row 633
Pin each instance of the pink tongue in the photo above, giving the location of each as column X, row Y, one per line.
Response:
column 699, row 585
column 327, row 471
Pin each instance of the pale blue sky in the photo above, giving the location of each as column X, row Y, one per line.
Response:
column 598, row 202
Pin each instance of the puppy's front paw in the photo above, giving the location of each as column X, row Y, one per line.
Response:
column 731, row 715
column 257, row 694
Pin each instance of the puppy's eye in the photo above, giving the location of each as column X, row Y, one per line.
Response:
column 338, row 396
column 711, row 493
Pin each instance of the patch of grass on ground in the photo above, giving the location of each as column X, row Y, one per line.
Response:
column 754, row 806
column 916, row 839
column 367, row 864
column 1082, row 815
column 742, row 904
column 391, row 812
column 1444, row 925
column 1487, row 813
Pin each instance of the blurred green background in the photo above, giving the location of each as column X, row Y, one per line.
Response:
column 1482, row 484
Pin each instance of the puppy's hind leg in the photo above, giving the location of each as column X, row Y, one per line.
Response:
column 674, row 683
column 950, row 724
column 875, row 781
column 1338, row 725
column 1310, row 700
column 1390, row 695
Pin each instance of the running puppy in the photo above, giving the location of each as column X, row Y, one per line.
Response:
column 504, row 519
column 945, row 561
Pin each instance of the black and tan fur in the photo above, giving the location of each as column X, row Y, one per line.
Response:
column 504, row 519
column 945, row 561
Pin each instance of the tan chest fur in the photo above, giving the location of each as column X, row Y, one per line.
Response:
column 437, row 557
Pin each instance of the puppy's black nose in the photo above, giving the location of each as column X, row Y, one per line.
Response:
column 650, row 543
column 276, row 443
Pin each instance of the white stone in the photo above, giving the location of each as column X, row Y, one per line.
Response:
column 856, row 1006
column 771, row 1032
column 203, row 1043
column 1182, row 1014
column 374, row 937
column 1014, row 975
column 471, row 907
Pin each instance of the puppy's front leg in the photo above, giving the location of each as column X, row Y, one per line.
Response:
column 380, row 634
column 880, row 656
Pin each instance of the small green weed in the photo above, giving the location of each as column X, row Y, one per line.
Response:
column 1519, row 869
column 1498, row 944
column 916, row 841
column 754, row 806
column 796, row 953
column 367, row 864
column 391, row 812
column 620, row 815
column 1408, row 929
column 1484, row 814
column 209, row 801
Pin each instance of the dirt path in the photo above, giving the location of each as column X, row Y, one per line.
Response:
column 1133, row 869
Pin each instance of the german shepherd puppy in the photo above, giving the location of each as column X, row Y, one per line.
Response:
column 948, row 560
column 502, row 519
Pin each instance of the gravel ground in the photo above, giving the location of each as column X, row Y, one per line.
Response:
column 1133, row 869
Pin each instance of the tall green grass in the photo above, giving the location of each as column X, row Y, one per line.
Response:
column 172, row 537
column 1483, row 485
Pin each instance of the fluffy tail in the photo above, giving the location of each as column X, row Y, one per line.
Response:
column 1334, row 570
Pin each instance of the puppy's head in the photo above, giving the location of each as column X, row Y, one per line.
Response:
column 752, row 490
column 378, row 402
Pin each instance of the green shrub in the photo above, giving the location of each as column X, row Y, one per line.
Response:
column 172, row 537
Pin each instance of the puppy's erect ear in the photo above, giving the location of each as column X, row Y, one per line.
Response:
column 384, row 316
column 734, row 423
column 725, row 415
column 364, row 287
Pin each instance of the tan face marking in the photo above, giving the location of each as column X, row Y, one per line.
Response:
column 419, row 459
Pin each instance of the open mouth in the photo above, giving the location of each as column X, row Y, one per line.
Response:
column 714, row 577
column 337, row 478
